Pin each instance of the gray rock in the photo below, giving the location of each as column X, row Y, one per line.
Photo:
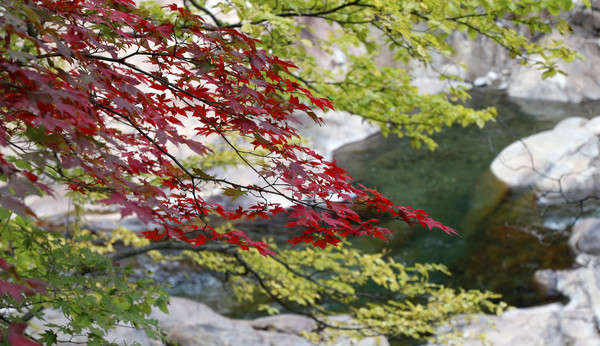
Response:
column 480, row 82
column 287, row 323
column 546, row 282
column 482, row 55
column 585, row 236
column 492, row 76
column 580, row 83
column 191, row 323
column 531, row 326
column 340, row 129
column 555, row 324
column 562, row 163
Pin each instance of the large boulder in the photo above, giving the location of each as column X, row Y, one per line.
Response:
column 190, row 323
column 488, row 63
column 574, row 323
column 548, row 325
column 561, row 163
column 580, row 82
column 557, row 324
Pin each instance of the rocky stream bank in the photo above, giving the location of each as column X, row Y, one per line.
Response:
column 568, row 172
column 562, row 167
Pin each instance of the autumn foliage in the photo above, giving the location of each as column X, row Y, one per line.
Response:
column 96, row 93
column 78, row 106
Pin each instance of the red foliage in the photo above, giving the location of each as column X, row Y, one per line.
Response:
column 22, row 287
column 78, row 105
column 15, row 336
column 16, row 287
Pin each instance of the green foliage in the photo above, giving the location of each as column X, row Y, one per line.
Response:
column 383, row 296
column 410, row 31
column 92, row 292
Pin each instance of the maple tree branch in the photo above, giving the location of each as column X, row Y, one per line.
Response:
column 205, row 10
column 265, row 287
column 193, row 177
column 316, row 282
column 318, row 14
column 170, row 244
column 260, row 190
column 218, row 130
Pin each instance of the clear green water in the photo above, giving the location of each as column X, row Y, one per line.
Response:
column 504, row 236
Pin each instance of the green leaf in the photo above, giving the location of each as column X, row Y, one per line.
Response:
column 235, row 193
column 162, row 303
column 306, row 42
column 553, row 9
column 472, row 33
column 247, row 28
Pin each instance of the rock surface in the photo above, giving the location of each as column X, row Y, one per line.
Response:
column 488, row 63
column 190, row 323
column 581, row 82
column 560, row 164
column 574, row 323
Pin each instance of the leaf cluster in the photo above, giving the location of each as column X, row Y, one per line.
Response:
column 92, row 292
column 108, row 92
column 409, row 31
column 382, row 296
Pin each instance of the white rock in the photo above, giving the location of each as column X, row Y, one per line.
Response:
column 492, row 76
column 191, row 323
column 562, row 162
column 585, row 237
column 480, row 82
column 579, row 84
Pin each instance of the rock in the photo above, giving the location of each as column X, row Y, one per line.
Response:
column 286, row 323
column 343, row 340
column 531, row 326
column 561, row 163
column 555, row 324
column 479, row 56
column 483, row 54
column 585, row 236
column 580, row 83
column 546, row 282
column 480, row 82
column 492, row 76
column 574, row 323
column 584, row 17
column 340, row 129
column 190, row 323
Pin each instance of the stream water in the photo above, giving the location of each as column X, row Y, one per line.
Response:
column 505, row 236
